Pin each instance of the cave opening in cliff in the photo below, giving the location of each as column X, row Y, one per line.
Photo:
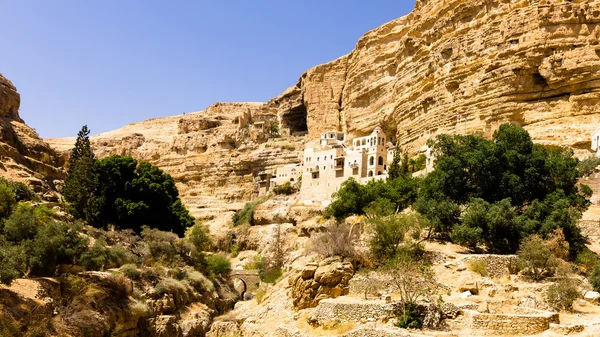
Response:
column 295, row 120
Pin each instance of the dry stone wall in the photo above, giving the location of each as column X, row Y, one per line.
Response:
column 528, row 322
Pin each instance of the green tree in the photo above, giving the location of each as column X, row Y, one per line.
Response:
column 390, row 232
column 131, row 195
column 512, row 188
column 7, row 200
column 394, row 170
column 79, row 189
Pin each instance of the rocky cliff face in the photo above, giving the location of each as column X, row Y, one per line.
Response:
column 451, row 66
column 533, row 63
column 23, row 155
column 215, row 155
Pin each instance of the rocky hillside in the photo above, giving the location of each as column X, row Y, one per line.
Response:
column 24, row 156
column 215, row 155
column 448, row 66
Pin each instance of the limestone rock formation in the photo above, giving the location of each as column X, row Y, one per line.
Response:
column 466, row 67
column 215, row 155
column 24, row 156
column 315, row 282
column 450, row 66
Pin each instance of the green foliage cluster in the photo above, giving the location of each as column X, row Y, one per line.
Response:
column 561, row 294
column 285, row 189
column 21, row 191
column 509, row 188
column 32, row 243
column 536, row 259
column 391, row 234
column 218, row 265
column 118, row 190
column 587, row 166
column 382, row 196
column 267, row 272
column 245, row 216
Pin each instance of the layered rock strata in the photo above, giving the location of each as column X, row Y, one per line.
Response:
column 216, row 156
column 24, row 156
column 450, row 66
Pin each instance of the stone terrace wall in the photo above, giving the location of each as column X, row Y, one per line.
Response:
column 497, row 265
column 528, row 322
column 352, row 310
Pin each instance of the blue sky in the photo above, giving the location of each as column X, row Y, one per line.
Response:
column 107, row 63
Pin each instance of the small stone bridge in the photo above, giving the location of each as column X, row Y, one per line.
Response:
column 249, row 278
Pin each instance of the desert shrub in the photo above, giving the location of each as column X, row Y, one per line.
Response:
column 131, row 271
column 288, row 147
column 271, row 275
column 389, row 233
column 415, row 282
column 7, row 200
column 161, row 244
column 218, row 265
column 336, row 240
column 587, row 166
column 587, row 261
column 285, row 189
column 261, row 292
column 479, row 267
column 56, row 243
column 199, row 236
column 234, row 250
column 8, row 326
column 21, row 191
column 197, row 280
column 562, row 294
column 180, row 290
column 536, row 259
column 100, row 256
column 411, row 317
column 245, row 216
column 139, row 309
column 13, row 261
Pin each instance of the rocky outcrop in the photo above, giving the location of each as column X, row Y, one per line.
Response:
column 24, row 156
column 535, row 63
column 215, row 155
column 315, row 282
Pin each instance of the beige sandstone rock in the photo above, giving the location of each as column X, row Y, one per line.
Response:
column 313, row 283
column 24, row 156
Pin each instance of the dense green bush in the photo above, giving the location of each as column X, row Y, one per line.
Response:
column 355, row 198
column 389, row 233
column 218, row 265
column 411, row 317
column 198, row 235
column 22, row 192
column 99, row 256
column 511, row 187
column 7, row 200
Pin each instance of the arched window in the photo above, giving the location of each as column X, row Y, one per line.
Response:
column 379, row 173
column 364, row 142
column 380, row 160
column 370, row 173
column 372, row 161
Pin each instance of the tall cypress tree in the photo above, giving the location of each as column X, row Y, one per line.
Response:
column 80, row 184
column 394, row 171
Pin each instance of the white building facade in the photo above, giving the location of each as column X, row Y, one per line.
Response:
column 331, row 162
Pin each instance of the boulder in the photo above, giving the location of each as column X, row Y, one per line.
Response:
column 592, row 296
column 313, row 283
